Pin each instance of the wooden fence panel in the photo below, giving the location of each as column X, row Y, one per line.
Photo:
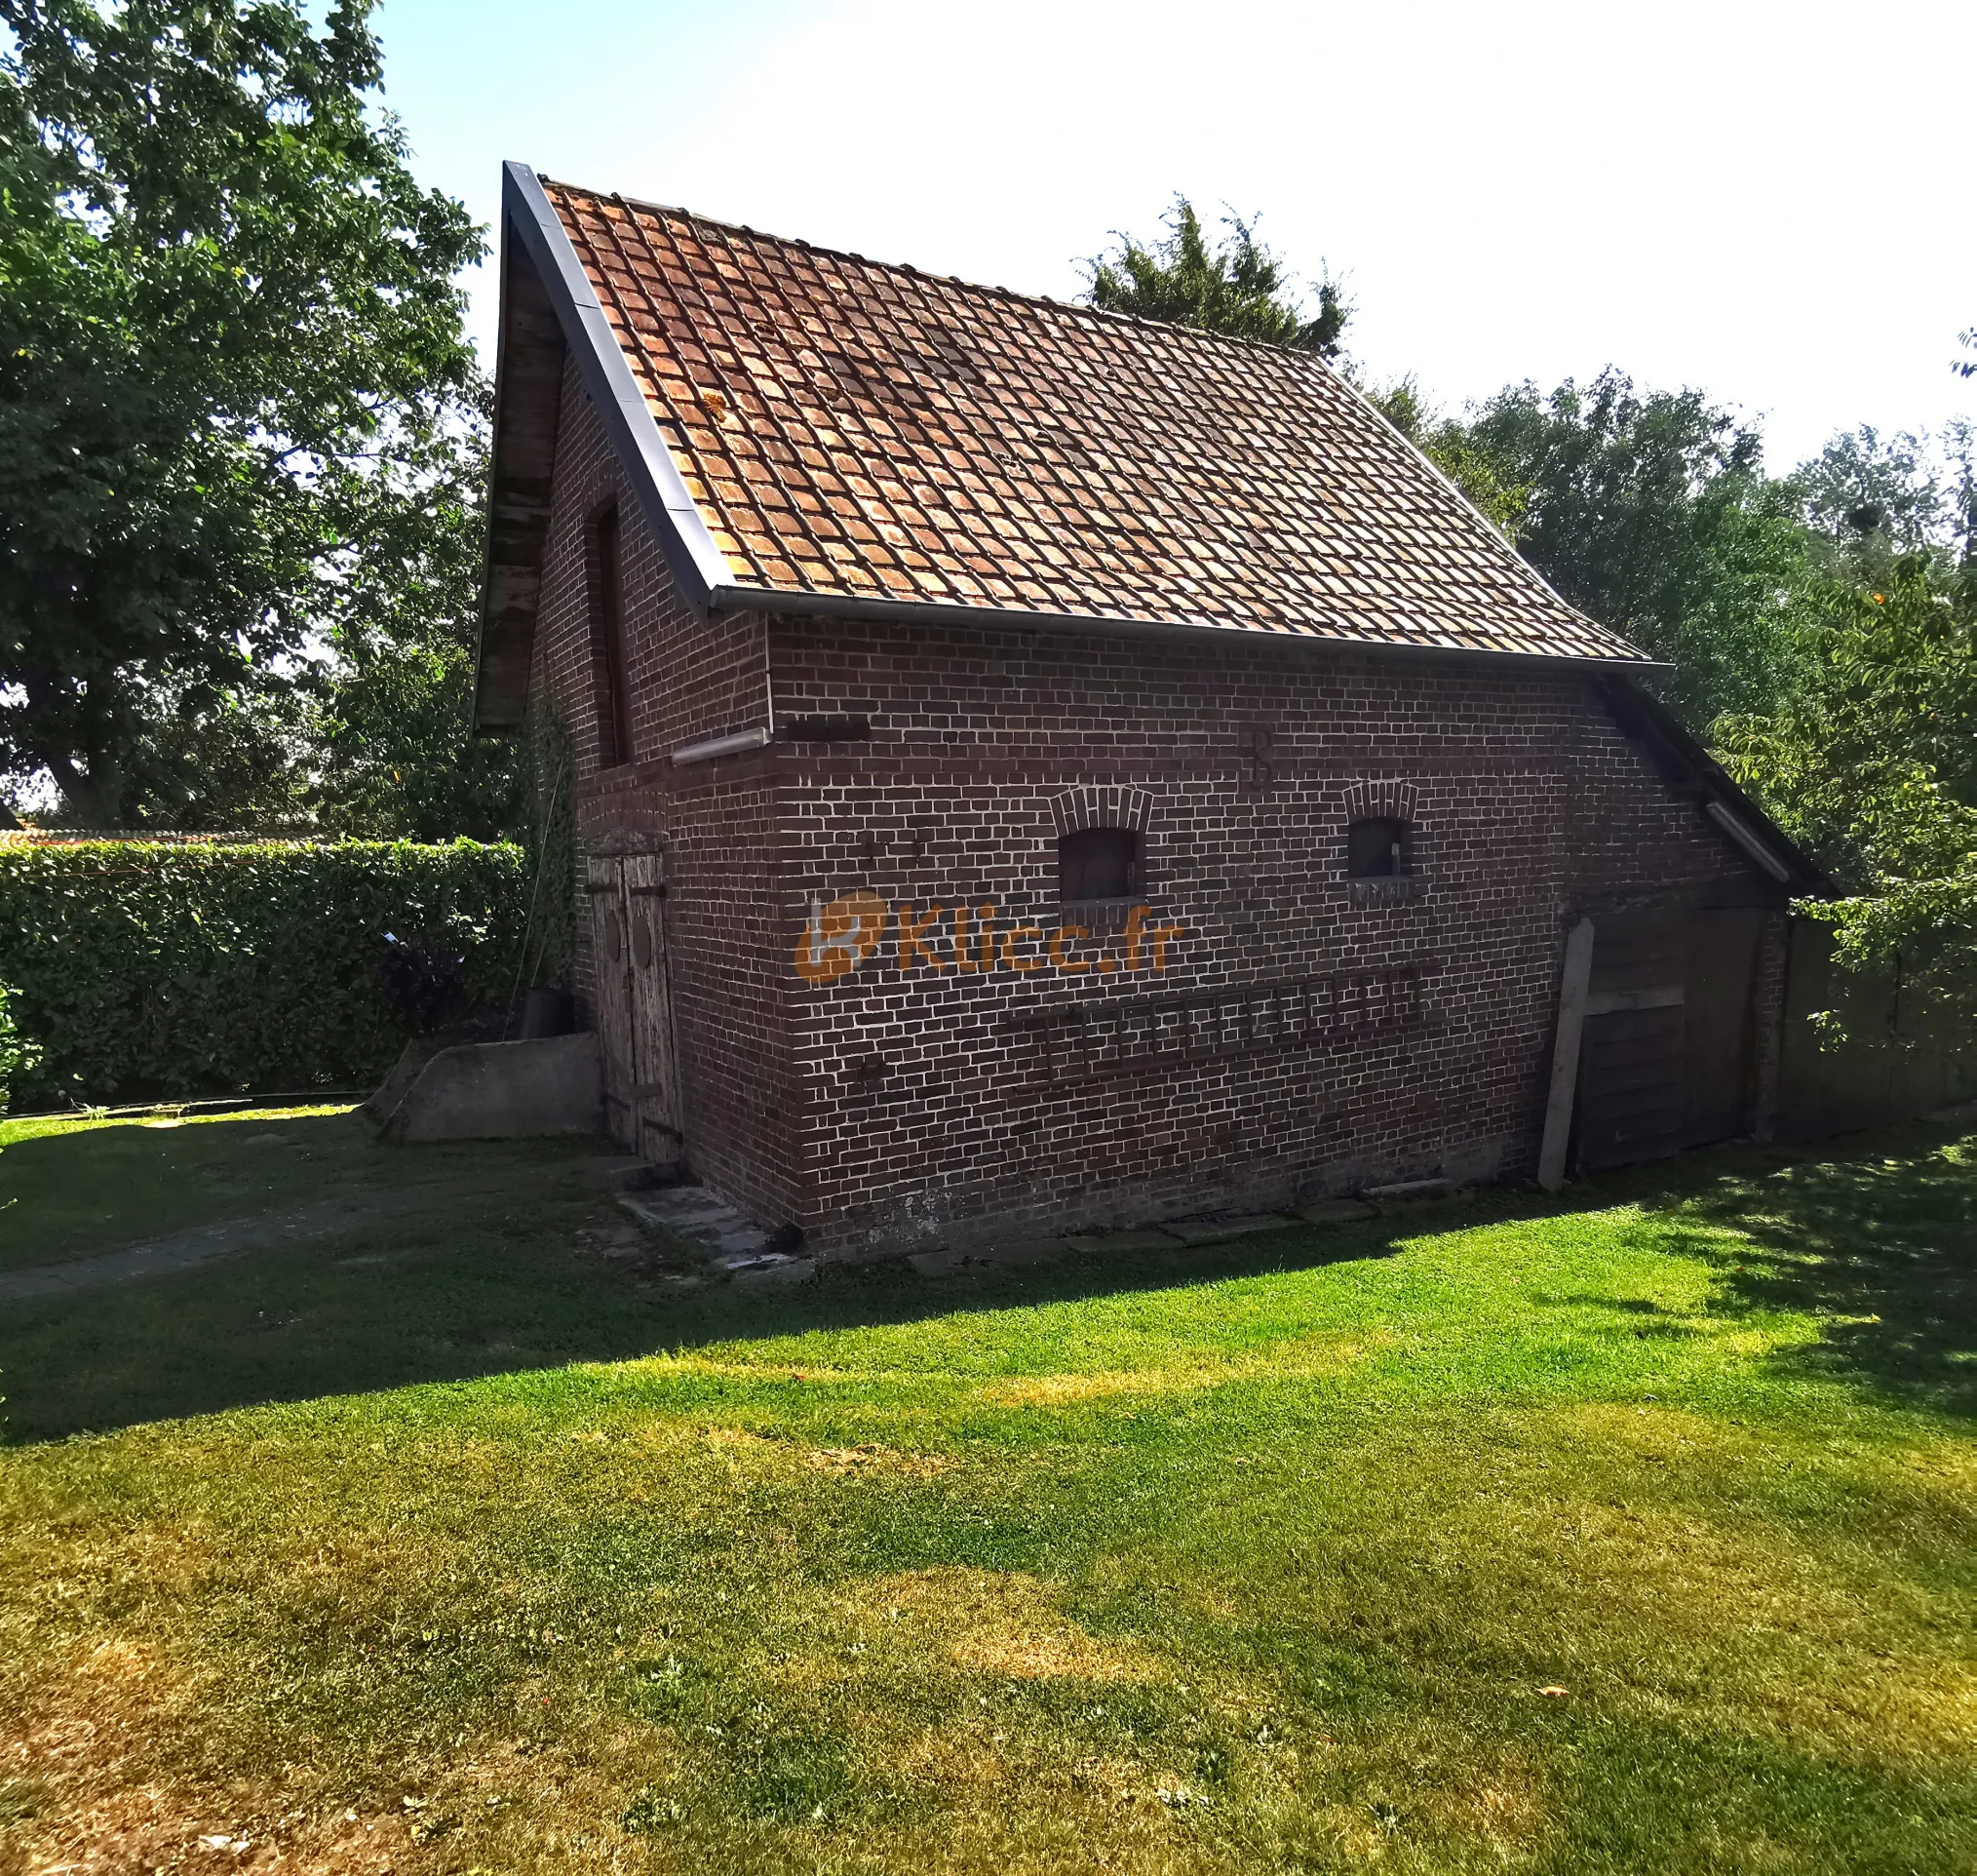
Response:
column 1889, row 1066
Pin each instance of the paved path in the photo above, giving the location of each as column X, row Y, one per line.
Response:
column 202, row 1243
column 182, row 1250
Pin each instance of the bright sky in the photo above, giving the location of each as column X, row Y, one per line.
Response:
column 1769, row 201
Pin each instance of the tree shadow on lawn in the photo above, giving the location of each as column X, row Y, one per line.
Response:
column 1874, row 1233
column 502, row 1281
column 72, row 1190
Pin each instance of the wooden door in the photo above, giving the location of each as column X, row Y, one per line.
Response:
column 1667, row 1053
column 1632, row 1052
column 611, row 966
column 1720, row 1034
column 653, row 1094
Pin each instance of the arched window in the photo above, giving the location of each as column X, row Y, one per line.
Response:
column 1378, row 847
column 1099, row 863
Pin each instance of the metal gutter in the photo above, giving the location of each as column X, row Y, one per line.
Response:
column 697, row 564
column 1752, row 842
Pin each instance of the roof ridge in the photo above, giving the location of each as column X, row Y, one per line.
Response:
column 1201, row 333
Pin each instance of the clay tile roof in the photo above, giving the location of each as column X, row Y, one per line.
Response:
column 853, row 429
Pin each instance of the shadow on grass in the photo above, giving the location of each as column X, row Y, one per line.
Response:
column 69, row 1191
column 1880, row 1239
column 1874, row 1233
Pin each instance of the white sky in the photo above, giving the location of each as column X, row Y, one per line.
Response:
column 1767, row 201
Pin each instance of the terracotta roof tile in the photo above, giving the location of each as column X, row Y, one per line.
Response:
column 850, row 428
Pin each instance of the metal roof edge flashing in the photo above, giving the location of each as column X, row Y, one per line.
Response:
column 697, row 564
column 855, row 606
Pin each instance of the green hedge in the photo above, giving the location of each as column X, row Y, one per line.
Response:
column 142, row 971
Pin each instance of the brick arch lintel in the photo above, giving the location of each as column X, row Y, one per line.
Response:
column 1383, row 801
column 1105, row 805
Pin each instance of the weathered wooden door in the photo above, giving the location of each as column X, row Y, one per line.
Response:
column 654, row 1093
column 1630, row 1101
column 1720, row 1025
column 635, row 1003
column 1668, row 1043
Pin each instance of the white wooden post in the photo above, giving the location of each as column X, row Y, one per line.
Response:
column 1565, row 1055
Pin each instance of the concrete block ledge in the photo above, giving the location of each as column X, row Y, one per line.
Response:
column 499, row 1091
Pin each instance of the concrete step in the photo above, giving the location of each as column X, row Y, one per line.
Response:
column 733, row 1244
column 1337, row 1211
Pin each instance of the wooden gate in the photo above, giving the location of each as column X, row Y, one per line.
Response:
column 635, row 1003
column 1669, row 1041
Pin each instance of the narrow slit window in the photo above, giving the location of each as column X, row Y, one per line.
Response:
column 608, row 638
column 1099, row 863
column 1378, row 847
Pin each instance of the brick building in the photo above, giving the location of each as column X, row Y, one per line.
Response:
column 1040, row 766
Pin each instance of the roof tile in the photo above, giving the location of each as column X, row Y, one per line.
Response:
column 849, row 428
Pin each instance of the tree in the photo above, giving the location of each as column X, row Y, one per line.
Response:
column 1876, row 499
column 1448, row 446
column 227, row 318
column 393, row 729
column 1240, row 288
column 1870, row 761
column 1651, row 513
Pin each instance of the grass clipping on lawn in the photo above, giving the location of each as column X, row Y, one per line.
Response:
column 1633, row 1537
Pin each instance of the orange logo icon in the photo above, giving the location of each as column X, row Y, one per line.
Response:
column 840, row 937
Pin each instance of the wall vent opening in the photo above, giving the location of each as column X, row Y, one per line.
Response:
column 1378, row 847
column 1096, row 863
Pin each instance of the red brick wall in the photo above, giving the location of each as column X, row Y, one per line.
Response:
column 689, row 679
column 924, row 1105
column 1408, row 1028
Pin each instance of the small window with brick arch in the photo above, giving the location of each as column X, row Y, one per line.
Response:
column 1097, row 863
column 1378, row 847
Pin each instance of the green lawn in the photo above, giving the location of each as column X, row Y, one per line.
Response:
column 1634, row 1532
column 71, row 1188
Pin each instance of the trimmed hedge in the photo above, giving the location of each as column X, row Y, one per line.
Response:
column 144, row 971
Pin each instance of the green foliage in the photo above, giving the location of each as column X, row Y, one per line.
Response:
column 392, row 724
column 1871, row 501
column 1653, row 514
column 1239, row 289
column 550, row 932
column 143, row 969
column 231, row 332
column 1448, row 446
column 1871, row 763
column 16, row 1053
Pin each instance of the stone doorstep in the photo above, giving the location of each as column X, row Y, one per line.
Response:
column 734, row 1247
